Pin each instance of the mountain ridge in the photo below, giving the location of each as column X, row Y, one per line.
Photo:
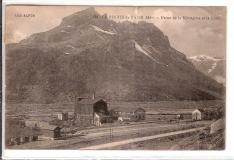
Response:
column 120, row 61
column 213, row 67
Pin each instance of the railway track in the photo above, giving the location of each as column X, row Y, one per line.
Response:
column 134, row 140
column 102, row 135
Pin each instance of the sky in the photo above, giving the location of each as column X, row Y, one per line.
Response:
column 189, row 34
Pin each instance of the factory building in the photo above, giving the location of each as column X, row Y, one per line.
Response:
column 86, row 109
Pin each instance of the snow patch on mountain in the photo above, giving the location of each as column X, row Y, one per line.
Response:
column 140, row 49
column 103, row 31
column 220, row 79
column 146, row 49
column 212, row 67
column 204, row 58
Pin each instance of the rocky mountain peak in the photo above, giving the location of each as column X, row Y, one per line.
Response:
column 119, row 61
column 80, row 17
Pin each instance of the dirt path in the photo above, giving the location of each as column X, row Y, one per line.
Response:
column 114, row 144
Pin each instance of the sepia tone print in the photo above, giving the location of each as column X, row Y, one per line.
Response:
column 115, row 78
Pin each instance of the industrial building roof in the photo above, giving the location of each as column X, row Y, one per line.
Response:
column 90, row 101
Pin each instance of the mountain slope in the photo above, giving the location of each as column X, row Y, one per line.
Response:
column 117, row 61
column 212, row 67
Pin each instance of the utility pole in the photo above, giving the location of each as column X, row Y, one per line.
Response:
column 111, row 134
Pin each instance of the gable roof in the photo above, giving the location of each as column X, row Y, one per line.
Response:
column 140, row 109
column 196, row 110
column 48, row 126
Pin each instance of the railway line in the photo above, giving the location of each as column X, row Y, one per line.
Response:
column 97, row 136
column 134, row 140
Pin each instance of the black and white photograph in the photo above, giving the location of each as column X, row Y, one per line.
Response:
column 115, row 77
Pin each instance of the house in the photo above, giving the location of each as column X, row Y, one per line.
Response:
column 129, row 114
column 97, row 120
column 85, row 110
column 16, row 134
column 120, row 111
column 120, row 119
column 179, row 116
column 49, row 131
column 196, row 115
column 193, row 114
column 31, row 123
column 63, row 116
column 139, row 114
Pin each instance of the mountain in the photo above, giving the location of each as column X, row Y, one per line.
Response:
column 118, row 61
column 211, row 66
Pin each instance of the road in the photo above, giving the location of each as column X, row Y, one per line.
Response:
column 133, row 140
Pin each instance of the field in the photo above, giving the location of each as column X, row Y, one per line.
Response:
column 158, row 121
column 37, row 111
column 97, row 136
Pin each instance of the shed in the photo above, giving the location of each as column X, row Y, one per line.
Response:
column 85, row 108
column 139, row 114
column 196, row 115
column 50, row 131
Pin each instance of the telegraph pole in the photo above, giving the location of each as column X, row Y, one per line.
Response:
column 111, row 134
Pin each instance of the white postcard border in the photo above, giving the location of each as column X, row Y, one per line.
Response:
column 87, row 154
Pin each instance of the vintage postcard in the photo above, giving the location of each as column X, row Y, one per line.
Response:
column 115, row 78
